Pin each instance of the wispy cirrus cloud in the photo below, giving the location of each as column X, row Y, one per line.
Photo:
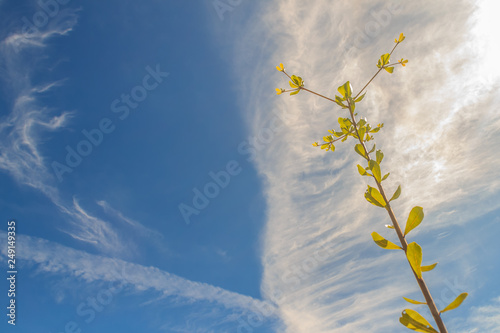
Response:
column 434, row 142
column 215, row 307
column 135, row 224
column 485, row 318
column 25, row 125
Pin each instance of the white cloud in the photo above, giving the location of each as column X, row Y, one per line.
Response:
column 484, row 318
column 53, row 258
column 137, row 225
column 441, row 126
column 24, row 128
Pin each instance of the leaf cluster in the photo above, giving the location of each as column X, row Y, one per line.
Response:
column 362, row 132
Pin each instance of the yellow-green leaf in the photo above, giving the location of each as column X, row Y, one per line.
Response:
column 414, row 219
column 396, row 194
column 389, row 69
column 380, row 156
column 384, row 243
column 374, row 197
column 388, row 226
column 401, row 38
column 294, row 92
column 360, row 98
column 362, row 170
column 360, row 150
column 414, row 255
column 341, row 104
column 375, row 168
column 385, row 176
column 456, row 303
column 385, row 58
column 362, row 132
column 414, row 321
column 412, row 301
column 428, row 267
column 342, row 123
column 293, row 85
column 345, row 89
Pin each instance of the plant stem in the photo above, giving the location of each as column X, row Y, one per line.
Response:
column 421, row 283
column 366, row 85
column 315, row 93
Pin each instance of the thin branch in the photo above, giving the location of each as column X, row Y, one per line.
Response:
column 315, row 93
column 421, row 283
column 366, row 85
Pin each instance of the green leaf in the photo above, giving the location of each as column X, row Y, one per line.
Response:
column 294, row 92
column 428, row 267
column 373, row 196
column 416, row 216
column 396, row 194
column 360, row 98
column 361, row 132
column 341, row 104
column 324, row 146
column 414, row 321
column 375, row 168
column 412, row 301
column 362, row 171
column 373, row 149
column 389, row 69
column 380, row 156
column 341, row 122
column 297, row 80
column 385, row 176
column 384, row 243
column 345, row 89
column 414, row 255
column 359, row 149
column 456, row 303
column 384, row 58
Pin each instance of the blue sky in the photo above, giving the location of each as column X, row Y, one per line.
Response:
column 116, row 115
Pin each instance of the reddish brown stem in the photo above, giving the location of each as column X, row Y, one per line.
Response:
column 421, row 283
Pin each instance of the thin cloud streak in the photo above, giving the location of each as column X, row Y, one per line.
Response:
column 57, row 259
column 22, row 130
column 433, row 109
column 484, row 318
column 137, row 225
